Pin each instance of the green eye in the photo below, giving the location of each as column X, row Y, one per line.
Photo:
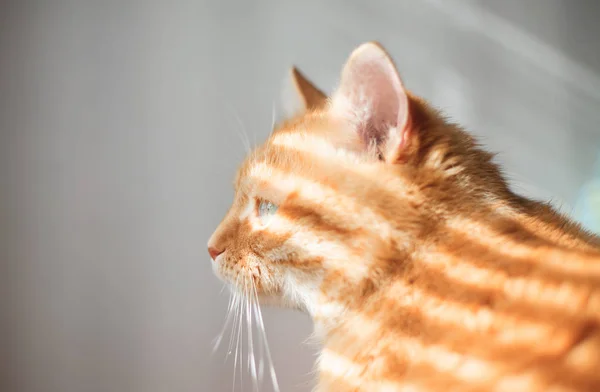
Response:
column 266, row 208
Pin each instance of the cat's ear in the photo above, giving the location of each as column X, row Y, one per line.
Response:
column 373, row 100
column 299, row 95
column 310, row 96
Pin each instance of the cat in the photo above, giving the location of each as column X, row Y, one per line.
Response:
column 398, row 234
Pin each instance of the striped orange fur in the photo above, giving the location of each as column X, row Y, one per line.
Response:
column 397, row 233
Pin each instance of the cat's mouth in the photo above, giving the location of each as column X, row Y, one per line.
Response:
column 217, row 268
column 248, row 277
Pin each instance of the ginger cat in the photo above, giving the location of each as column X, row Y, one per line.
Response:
column 397, row 233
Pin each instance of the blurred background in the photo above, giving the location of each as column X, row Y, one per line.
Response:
column 119, row 125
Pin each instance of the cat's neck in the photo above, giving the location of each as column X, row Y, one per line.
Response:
column 508, row 231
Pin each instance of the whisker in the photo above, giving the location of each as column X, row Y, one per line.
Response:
column 258, row 319
column 243, row 130
column 238, row 348
column 273, row 115
column 227, row 319
column 251, row 359
column 236, row 305
column 261, row 363
column 243, row 304
column 261, row 325
column 261, row 351
column 239, row 127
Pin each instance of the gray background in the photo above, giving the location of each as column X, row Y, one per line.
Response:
column 118, row 146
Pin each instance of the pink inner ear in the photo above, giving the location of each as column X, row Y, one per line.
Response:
column 373, row 94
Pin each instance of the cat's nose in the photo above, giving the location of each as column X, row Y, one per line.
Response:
column 214, row 252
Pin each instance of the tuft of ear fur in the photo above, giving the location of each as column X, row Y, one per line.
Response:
column 372, row 99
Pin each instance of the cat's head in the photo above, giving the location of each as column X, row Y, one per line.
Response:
column 346, row 186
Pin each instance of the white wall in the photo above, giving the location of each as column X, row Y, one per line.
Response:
column 118, row 146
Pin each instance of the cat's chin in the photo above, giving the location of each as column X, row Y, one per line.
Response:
column 278, row 301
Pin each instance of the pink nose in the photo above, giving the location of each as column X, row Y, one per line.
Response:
column 214, row 252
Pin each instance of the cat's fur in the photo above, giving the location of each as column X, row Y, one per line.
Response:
column 400, row 237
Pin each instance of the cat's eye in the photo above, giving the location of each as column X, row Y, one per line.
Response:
column 266, row 210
